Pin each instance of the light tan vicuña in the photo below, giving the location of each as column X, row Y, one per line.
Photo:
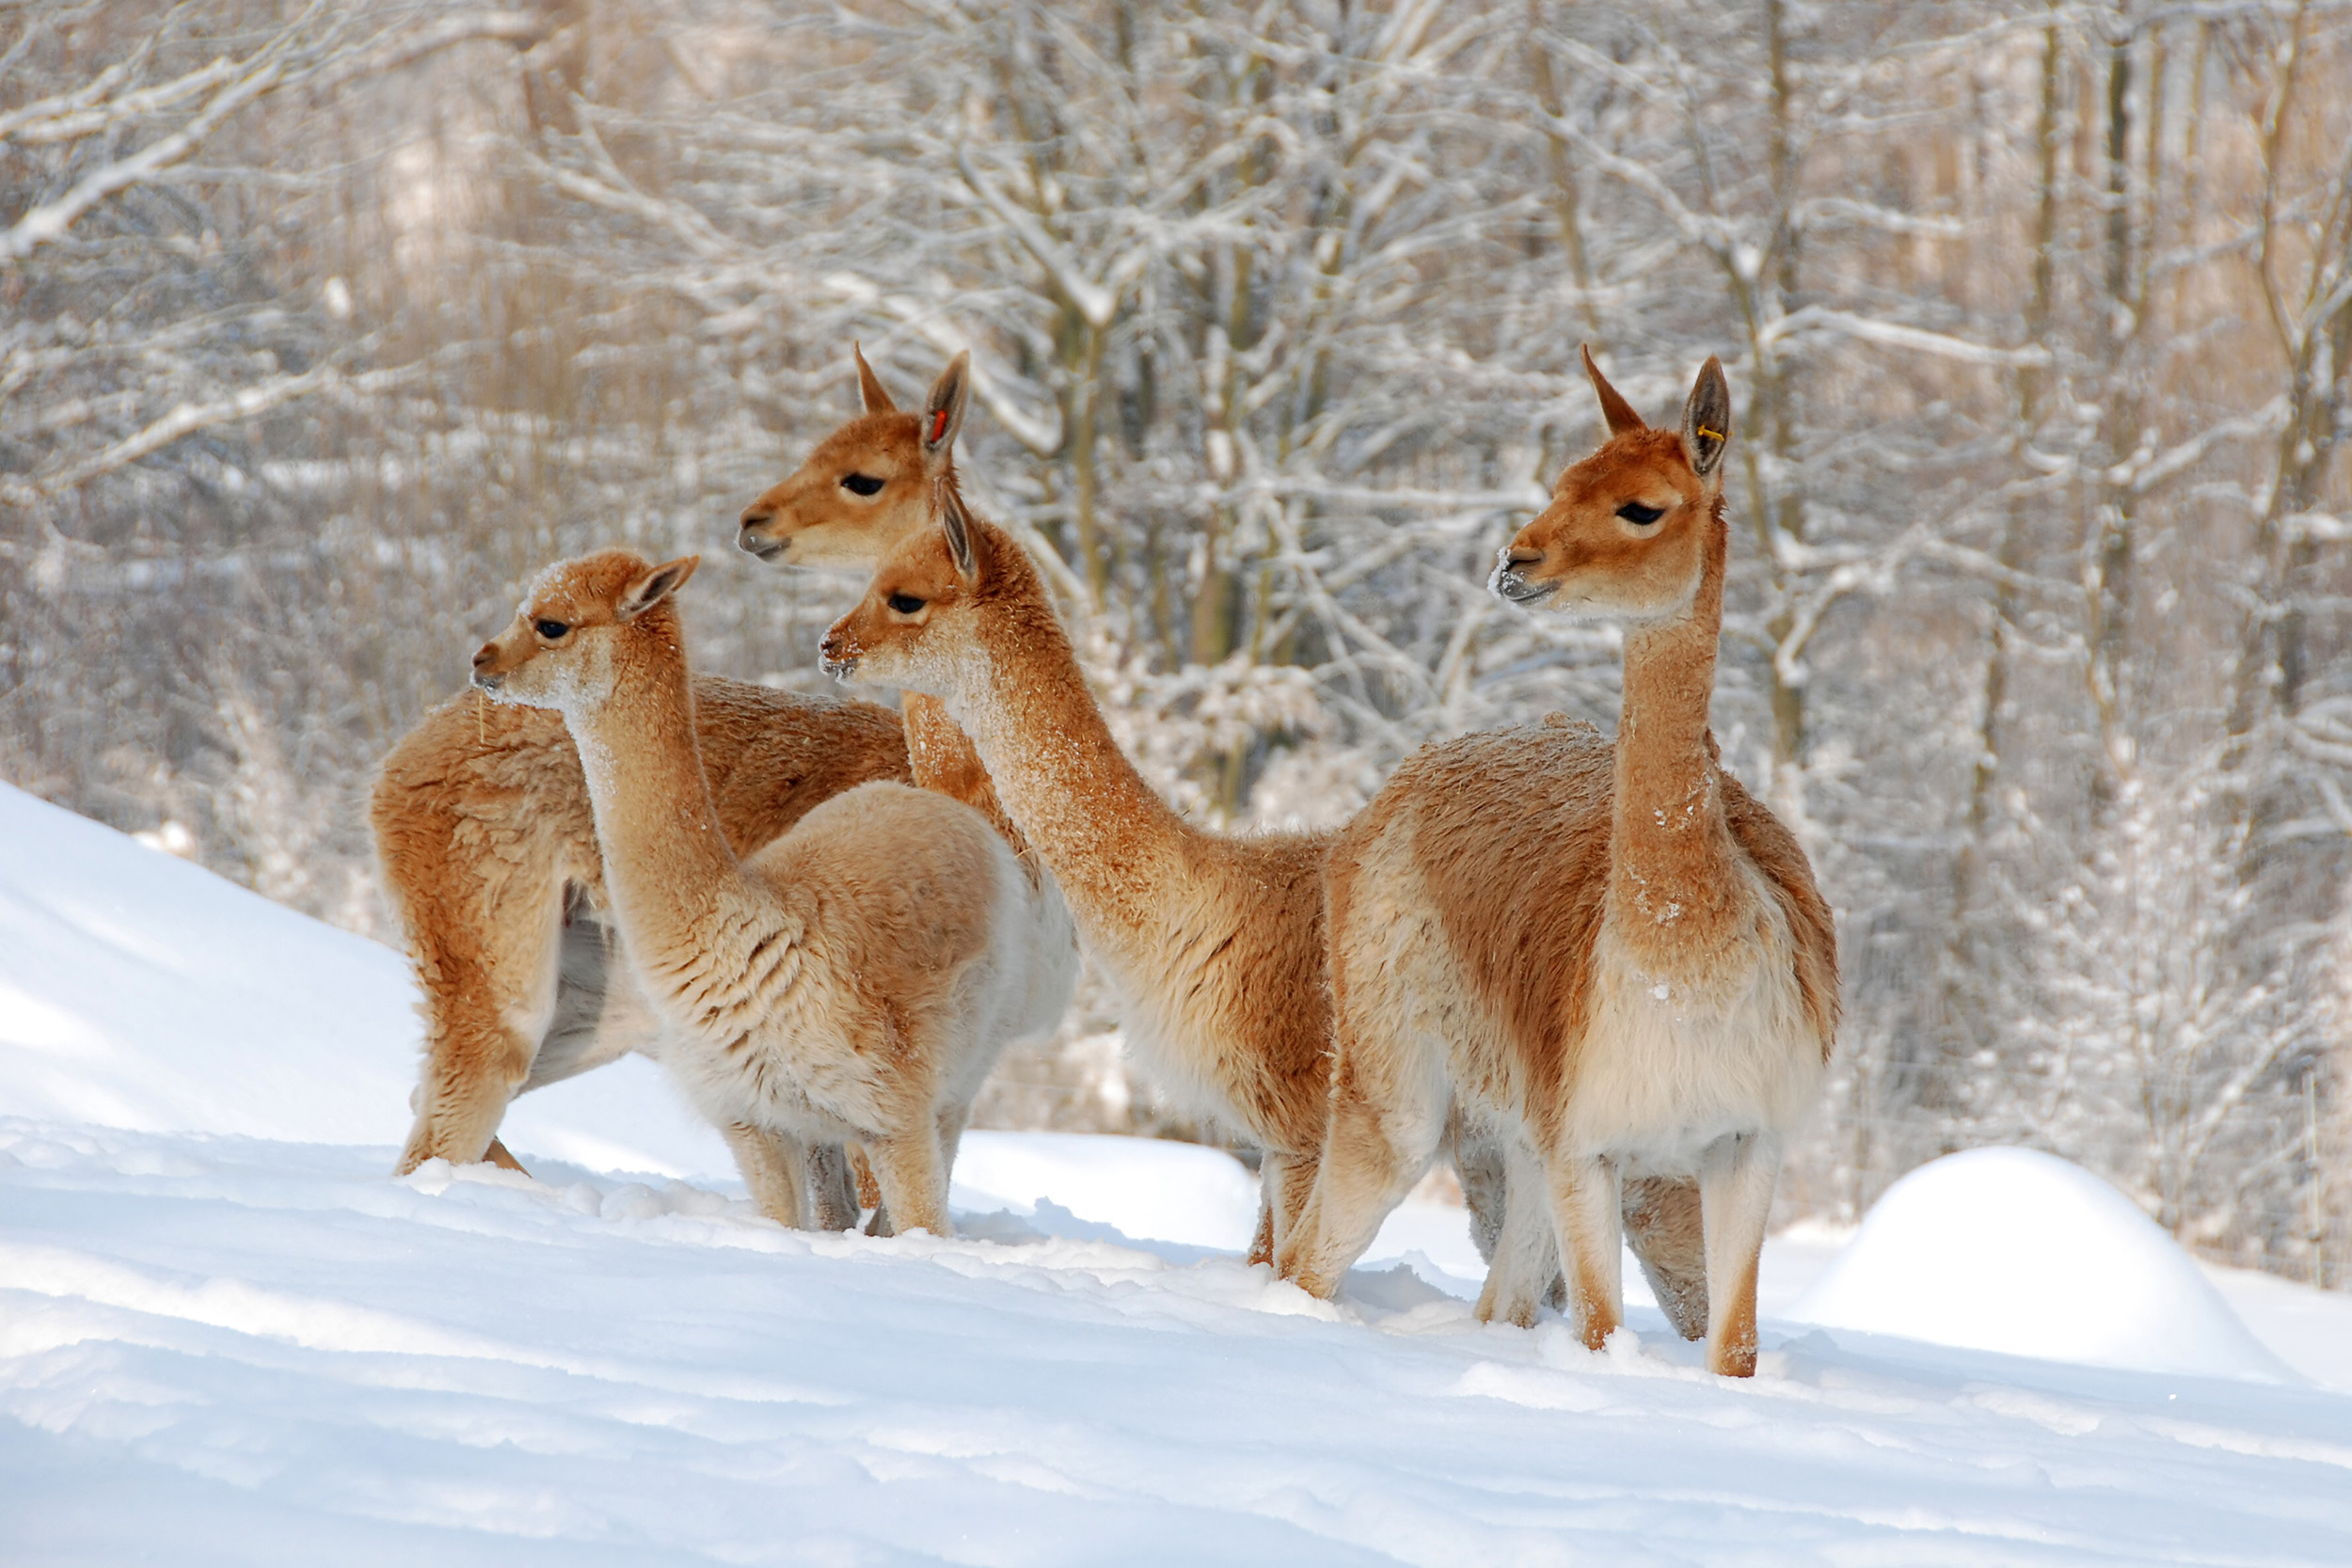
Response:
column 1215, row 943
column 1609, row 955
column 488, row 847
column 854, row 979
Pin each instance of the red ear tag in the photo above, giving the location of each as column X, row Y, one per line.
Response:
column 939, row 425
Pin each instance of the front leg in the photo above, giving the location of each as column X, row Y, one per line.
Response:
column 1586, row 1208
column 771, row 1164
column 1736, row 1198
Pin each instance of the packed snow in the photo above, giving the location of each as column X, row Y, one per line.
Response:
column 227, row 1335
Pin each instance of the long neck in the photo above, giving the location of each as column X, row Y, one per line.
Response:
column 941, row 757
column 1675, row 890
column 1113, row 845
column 664, row 852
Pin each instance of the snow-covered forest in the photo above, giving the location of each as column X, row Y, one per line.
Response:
column 321, row 328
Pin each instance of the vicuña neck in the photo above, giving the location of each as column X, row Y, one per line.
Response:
column 1674, row 887
column 662, row 839
column 1110, row 841
column 942, row 758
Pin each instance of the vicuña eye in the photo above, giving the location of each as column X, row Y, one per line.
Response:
column 1638, row 514
column 905, row 604
column 552, row 630
column 860, row 485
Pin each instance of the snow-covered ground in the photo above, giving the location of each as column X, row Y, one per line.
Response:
column 227, row 1336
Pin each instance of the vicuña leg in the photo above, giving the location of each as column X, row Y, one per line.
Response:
column 487, row 1014
column 1585, row 1216
column 1525, row 1267
column 1287, row 1187
column 951, row 1120
column 914, row 1184
column 1373, row 1152
column 833, row 1186
column 771, row 1163
column 1736, row 1194
column 1663, row 1225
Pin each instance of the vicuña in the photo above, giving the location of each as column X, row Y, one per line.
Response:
column 489, row 851
column 853, row 980
column 1215, row 944
column 1609, row 955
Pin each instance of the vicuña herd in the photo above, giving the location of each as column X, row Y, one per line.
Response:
column 1595, row 973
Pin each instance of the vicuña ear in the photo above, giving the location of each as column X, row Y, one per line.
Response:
column 1614, row 408
column 1707, row 418
column 654, row 586
column 943, row 411
column 957, row 527
column 870, row 392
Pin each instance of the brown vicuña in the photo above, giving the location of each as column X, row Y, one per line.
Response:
column 1215, row 944
column 867, row 486
column 490, row 851
column 856, row 979
column 1609, row 958
column 889, row 477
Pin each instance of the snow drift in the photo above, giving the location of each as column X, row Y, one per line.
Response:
column 2016, row 1251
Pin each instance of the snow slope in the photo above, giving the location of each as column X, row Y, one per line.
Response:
column 226, row 1336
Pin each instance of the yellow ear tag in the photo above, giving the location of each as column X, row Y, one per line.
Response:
column 1717, row 433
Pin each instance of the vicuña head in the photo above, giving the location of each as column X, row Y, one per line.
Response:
column 869, row 484
column 1629, row 529
column 943, row 591
column 570, row 634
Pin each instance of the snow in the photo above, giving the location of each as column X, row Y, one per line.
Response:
column 2017, row 1251
column 227, row 1335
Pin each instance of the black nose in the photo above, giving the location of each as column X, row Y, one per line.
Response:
column 485, row 653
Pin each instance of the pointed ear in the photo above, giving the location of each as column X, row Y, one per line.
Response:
column 656, row 585
column 1614, row 408
column 957, row 529
column 871, row 395
column 1707, row 418
column 943, row 411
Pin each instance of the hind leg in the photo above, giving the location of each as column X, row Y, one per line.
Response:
column 483, row 1022
column 831, row 1187
column 951, row 1122
column 1586, row 1216
column 483, row 930
column 1483, row 1167
column 1377, row 1145
column 914, row 1184
column 1664, row 1227
column 1736, row 1194
column 1524, row 1271
column 1390, row 1107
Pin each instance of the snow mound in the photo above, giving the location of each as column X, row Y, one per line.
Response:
column 138, row 990
column 2015, row 1251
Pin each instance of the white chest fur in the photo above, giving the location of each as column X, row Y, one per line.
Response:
column 1667, row 1067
